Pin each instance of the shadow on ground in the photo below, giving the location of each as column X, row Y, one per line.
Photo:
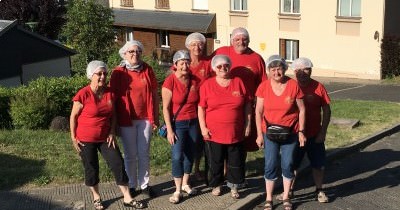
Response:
column 16, row 171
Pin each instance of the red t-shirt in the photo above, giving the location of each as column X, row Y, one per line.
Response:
column 315, row 97
column 281, row 110
column 179, row 90
column 202, row 71
column 93, row 124
column 249, row 66
column 224, row 110
column 134, row 94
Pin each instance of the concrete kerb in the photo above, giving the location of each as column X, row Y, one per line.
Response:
column 255, row 198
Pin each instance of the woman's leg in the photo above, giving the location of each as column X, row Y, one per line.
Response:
column 235, row 165
column 144, row 130
column 216, row 156
column 128, row 137
column 287, row 155
column 271, row 156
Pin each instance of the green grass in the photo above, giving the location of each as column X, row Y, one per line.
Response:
column 41, row 157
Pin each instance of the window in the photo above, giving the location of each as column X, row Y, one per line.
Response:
column 127, row 3
column 239, row 5
column 349, row 8
column 162, row 4
column 164, row 39
column 200, row 4
column 289, row 49
column 129, row 34
column 290, row 6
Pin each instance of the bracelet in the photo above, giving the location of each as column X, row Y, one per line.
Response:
column 301, row 131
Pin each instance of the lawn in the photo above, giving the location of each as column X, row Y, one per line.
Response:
column 39, row 158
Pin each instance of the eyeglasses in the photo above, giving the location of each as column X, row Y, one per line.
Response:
column 102, row 73
column 226, row 66
column 134, row 51
column 305, row 70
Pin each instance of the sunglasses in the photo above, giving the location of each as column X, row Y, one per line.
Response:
column 306, row 70
column 134, row 51
column 226, row 66
column 102, row 73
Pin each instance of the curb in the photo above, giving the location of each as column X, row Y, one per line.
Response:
column 255, row 198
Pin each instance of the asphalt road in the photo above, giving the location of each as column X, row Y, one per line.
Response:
column 370, row 92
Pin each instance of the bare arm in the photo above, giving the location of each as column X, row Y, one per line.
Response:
column 247, row 121
column 156, row 110
column 259, row 117
column 302, row 121
column 111, row 135
column 202, row 121
column 166, row 101
column 326, row 118
column 76, row 109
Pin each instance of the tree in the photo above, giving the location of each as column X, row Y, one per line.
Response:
column 89, row 30
column 42, row 16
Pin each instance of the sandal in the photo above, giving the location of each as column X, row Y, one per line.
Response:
column 287, row 205
column 321, row 197
column 189, row 190
column 235, row 194
column 268, row 205
column 216, row 191
column 98, row 205
column 280, row 196
column 134, row 204
column 175, row 198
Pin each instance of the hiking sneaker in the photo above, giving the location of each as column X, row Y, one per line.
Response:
column 147, row 192
column 322, row 198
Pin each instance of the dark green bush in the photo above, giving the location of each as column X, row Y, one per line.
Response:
column 390, row 56
column 35, row 105
column 5, row 118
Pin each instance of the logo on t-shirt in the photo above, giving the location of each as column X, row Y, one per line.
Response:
column 235, row 93
column 289, row 100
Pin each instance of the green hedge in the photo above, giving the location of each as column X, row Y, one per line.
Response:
column 390, row 56
column 35, row 105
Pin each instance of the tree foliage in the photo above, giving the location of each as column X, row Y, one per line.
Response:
column 47, row 15
column 89, row 30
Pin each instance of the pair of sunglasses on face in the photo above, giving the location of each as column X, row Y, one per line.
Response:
column 225, row 66
column 102, row 73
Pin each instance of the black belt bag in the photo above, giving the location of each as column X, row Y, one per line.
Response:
column 278, row 133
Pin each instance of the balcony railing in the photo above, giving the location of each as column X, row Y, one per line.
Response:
column 127, row 3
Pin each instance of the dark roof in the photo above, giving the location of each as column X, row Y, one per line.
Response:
column 6, row 25
column 165, row 20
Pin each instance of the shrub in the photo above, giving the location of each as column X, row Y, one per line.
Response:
column 5, row 118
column 390, row 56
column 35, row 105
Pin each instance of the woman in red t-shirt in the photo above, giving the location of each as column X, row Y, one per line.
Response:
column 279, row 104
column 224, row 116
column 135, row 87
column 201, row 69
column 92, row 126
column 180, row 96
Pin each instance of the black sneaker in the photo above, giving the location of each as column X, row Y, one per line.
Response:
column 133, row 192
column 147, row 192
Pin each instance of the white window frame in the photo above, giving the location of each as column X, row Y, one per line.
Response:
column 164, row 38
column 200, row 4
column 240, row 5
column 291, row 7
column 351, row 9
column 290, row 55
column 129, row 34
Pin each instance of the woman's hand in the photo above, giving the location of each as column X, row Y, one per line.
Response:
column 171, row 138
column 111, row 140
column 76, row 143
column 206, row 133
column 260, row 141
column 247, row 131
column 302, row 139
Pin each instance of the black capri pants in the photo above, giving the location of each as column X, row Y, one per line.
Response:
column 111, row 155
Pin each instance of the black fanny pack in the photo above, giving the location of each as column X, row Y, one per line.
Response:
column 278, row 133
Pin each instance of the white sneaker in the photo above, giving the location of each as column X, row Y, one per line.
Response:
column 322, row 198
